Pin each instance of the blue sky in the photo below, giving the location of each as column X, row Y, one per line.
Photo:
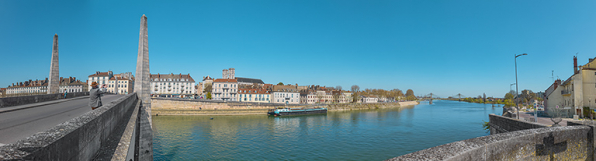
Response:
column 443, row 47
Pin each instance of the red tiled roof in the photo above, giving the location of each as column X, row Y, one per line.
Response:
column 226, row 80
column 100, row 74
column 120, row 78
column 173, row 76
column 252, row 91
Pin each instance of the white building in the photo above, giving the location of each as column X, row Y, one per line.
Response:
column 121, row 85
column 36, row 87
column 225, row 89
column 172, row 85
column 254, row 95
column 286, row 97
column 100, row 77
column 71, row 84
column 369, row 99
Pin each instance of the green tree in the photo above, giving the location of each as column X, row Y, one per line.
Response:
column 208, row 95
column 508, row 96
column 280, row 83
column 409, row 92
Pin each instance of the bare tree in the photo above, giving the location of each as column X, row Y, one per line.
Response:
column 338, row 88
column 355, row 88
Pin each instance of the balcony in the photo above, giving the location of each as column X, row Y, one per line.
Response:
column 566, row 92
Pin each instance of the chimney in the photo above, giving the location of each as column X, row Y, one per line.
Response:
column 575, row 65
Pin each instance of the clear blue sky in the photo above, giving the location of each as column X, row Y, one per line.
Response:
column 443, row 47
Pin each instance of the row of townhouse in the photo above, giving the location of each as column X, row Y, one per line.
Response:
column 31, row 87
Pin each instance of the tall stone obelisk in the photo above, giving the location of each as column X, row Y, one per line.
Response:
column 54, row 81
column 142, row 74
column 142, row 88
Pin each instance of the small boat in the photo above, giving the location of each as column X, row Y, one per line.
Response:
column 296, row 111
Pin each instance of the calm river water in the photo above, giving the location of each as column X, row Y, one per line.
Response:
column 357, row 135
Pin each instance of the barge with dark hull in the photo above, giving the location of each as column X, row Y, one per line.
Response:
column 296, row 111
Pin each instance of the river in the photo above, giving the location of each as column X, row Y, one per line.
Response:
column 354, row 135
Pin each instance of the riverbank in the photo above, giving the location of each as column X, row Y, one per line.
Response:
column 198, row 107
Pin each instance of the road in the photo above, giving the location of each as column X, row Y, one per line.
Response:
column 20, row 124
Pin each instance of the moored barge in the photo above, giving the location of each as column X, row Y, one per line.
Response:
column 296, row 111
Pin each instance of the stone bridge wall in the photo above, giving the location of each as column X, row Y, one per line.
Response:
column 22, row 100
column 77, row 139
column 555, row 143
column 500, row 124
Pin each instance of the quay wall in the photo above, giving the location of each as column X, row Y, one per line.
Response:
column 174, row 106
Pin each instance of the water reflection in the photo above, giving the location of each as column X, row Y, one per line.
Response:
column 349, row 135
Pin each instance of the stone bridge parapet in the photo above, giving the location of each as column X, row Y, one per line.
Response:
column 80, row 138
column 553, row 143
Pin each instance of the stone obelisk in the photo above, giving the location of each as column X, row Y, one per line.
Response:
column 142, row 88
column 142, row 74
column 54, row 81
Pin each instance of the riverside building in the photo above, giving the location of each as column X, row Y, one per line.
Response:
column 286, row 94
column 172, row 85
column 254, row 95
column 225, row 89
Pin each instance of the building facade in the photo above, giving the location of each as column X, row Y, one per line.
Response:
column 121, row 85
column 225, row 89
column 576, row 92
column 286, row 94
column 254, row 95
column 70, row 84
column 172, row 85
column 100, row 77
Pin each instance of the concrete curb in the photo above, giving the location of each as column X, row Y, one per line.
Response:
column 15, row 108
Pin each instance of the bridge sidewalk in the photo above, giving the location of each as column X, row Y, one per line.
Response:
column 32, row 105
column 541, row 120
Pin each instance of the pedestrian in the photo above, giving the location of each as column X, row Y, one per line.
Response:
column 95, row 95
column 65, row 92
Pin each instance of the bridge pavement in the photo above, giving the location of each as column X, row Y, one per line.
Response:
column 19, row 124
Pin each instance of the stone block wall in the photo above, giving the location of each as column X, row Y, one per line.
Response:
column 173, row 106
column 22, row 100
column 77, row 139
column 500, row 124
column 556, row 143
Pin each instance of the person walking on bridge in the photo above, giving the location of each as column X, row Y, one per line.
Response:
column 95, row 95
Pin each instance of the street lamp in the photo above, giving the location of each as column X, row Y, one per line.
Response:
column 511, row 85
column 516, row 84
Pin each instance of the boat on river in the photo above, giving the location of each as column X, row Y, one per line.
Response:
column 296, row 111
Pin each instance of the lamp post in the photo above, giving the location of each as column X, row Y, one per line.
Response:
column 511, row 85
column 516, row 84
